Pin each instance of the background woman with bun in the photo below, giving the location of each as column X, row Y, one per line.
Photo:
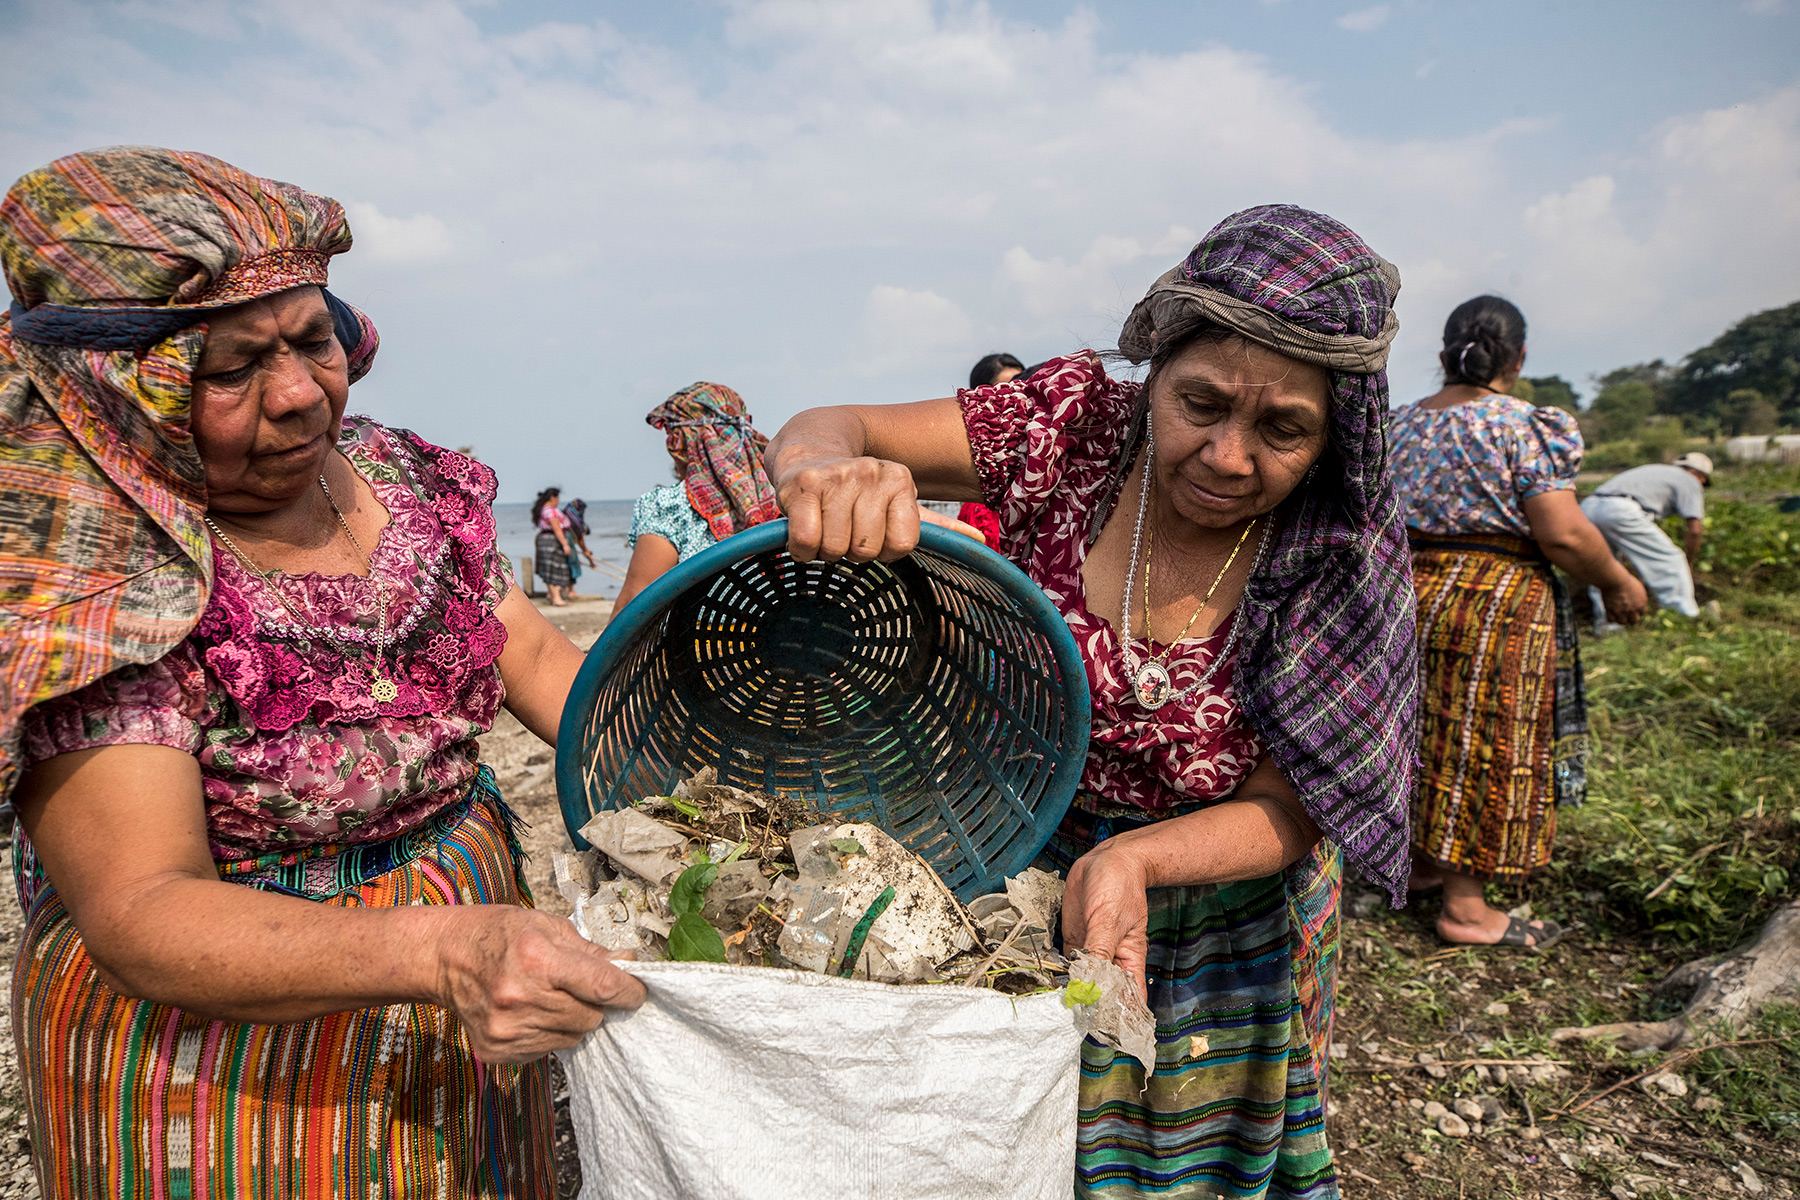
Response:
column 1487, row 485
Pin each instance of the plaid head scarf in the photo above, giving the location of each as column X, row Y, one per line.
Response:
column 719, row 455
column 114, row 258
column 1328, row 676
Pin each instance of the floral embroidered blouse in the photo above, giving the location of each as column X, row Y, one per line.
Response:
column 666, row 512
column 293, row 749
column 1049, row 454
column 1470, row 468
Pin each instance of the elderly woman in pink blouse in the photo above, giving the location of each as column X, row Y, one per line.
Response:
column 278, row 940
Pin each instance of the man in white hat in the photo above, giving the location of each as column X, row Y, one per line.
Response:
column 1626, row 509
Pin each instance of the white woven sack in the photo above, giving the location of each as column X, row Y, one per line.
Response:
column 757, row 1083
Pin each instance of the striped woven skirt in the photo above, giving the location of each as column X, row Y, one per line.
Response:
column 552, row 565
column 1251, row 967
column 128, row 1098
column 1503, row 734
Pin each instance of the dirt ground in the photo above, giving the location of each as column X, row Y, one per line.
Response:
column 1403, row 995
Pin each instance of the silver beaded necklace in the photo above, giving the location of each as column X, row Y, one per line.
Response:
column 382, row 688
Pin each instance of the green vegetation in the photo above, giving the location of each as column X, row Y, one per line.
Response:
column 1745, row 382
column 1692, row 827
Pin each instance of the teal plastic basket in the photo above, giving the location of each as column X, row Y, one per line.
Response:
column 940, row 697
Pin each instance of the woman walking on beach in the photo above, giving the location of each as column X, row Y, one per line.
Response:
column 1224, row 542
column 552, row 547
column 278, row 940
column 723, row 488
column 1487, row 485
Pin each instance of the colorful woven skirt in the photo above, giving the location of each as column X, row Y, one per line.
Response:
column 1503, row 734
column 128, row 1098
column 1251, row 967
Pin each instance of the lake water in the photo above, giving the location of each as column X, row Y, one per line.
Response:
column 609, row 520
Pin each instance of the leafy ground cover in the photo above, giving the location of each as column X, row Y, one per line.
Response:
column 1690, row 837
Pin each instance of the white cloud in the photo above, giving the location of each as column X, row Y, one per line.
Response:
column 1097, row 282
column 1364, row 20
column 1764, row 8
column 1702, row 229
column 902, row 329
column 569, row 213
column 416, row 239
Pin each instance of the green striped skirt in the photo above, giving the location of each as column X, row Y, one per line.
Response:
column 1251, row 966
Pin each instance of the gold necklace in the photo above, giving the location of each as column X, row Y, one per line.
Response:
column 382, row 688
column 1151, row 681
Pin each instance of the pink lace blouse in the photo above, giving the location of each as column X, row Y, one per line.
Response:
column 1048, row 453
column 293, row 750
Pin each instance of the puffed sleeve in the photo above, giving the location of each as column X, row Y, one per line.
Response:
column 1548, row 452
column 651, row 515
column 462, row 491
column 159, row 704
column 1058, row 433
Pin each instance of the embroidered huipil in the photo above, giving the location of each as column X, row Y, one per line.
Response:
column 292, row 749
column 1048, row 456
column 1470, row 468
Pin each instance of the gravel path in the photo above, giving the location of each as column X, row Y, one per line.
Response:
column 524, row 767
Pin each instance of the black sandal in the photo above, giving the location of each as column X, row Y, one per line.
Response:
column 1518, row 930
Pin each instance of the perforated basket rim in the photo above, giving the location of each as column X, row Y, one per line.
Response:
column 622, row 632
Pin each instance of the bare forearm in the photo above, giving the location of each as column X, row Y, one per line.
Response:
column 232, row 953
column 1584, row 555
column 1240, row 839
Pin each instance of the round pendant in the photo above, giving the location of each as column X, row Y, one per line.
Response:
column 383, row 690
column 1151, row 683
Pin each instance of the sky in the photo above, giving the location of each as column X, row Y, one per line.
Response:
column 565, row 211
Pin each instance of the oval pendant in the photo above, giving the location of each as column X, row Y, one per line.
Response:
column 1151, row 683
column 382, row 689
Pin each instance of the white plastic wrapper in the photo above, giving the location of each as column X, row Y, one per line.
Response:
column 754, row 1082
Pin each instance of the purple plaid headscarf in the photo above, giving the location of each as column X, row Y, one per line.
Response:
column 1328, row 675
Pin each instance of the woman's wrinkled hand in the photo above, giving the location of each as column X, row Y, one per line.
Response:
column 861, row 509
column 524, row 983
column 1626, row 603
column 1106, row 907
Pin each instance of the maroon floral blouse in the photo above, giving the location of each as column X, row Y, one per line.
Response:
column 293, row 749
column 1048, row 453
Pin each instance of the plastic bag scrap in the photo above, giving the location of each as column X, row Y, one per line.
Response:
column 783, row 888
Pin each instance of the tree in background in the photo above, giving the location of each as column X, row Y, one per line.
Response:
column 1660, row 439
column 1550, row 391
column 1746, row 411
column 1625, row 401
column 1759, row 353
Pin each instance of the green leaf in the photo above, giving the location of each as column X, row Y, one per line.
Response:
column 1081, row 991
column 737, row 852
column 688, row 895
column 847, row 846
column 692, row 810
column 691, row 939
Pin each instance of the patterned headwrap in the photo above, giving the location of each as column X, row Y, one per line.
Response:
column 719, row 455
column 1329, row 671
column 114, row 259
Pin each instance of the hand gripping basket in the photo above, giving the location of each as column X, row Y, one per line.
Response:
column 940, row 697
